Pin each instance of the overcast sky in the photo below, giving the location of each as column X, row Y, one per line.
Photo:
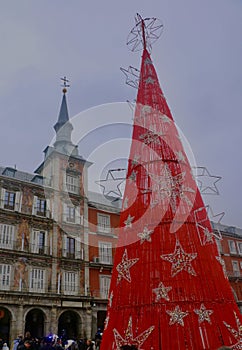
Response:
column 197, row 59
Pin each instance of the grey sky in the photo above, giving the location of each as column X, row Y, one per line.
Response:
column 198, row 61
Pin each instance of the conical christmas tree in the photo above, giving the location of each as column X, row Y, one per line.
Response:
column 169, row 289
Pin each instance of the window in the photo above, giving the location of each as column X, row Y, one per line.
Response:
column 71, row 183
column 219, row 245
column 103, row 222
column 5, row 272
column 40, row 206
column 6, row 236
column 104, row 286
column 239, row 245
column 37, row 281
column 235, row 265
column 70, row 282
column 10, row 200
column 232, row 247
column 105, row 252
column 70, row 214
column 38, row 242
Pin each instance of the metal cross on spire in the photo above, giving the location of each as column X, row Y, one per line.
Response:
column 65, row 85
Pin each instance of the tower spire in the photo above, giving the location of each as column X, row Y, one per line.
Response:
column 63, row 126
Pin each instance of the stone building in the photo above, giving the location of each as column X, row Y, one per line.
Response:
column 44, row 233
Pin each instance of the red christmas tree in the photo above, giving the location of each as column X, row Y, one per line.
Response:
column 169, row 289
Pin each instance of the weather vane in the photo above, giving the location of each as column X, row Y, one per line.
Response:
column 144, row 34
column 65, row 85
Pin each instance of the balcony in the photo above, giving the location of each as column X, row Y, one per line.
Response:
column 103, row 260
column 19, row 246
column 234, row 275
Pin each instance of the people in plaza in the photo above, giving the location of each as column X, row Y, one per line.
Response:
column 17, row 341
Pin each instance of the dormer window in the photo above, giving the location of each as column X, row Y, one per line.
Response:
column 9, row 172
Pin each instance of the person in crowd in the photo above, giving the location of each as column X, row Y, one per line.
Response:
column 90, row 345
column 27, row 345
column 17, row 341
column 5, row 346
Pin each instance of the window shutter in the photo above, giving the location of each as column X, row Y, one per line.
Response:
column 78, row 216
column 35, row 241
column 64, row 212
column 2, row 197
column 78, row 248
column 18, row 201
column 34, row 205
column 48, row 211
column 64, row 245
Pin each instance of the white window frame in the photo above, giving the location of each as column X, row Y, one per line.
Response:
column 105, row 252
column 35, row 242
column 232, row 247
column 7, row 236
column 17, row 200
column 239, row 243
column 72, row 183
column 5, row 276
column 37, row 280
column 76, row 218
column 47, row 207
column 70, row 282
column 104, row 283
column 103, row 223
column 74, row 253
column 236, row 269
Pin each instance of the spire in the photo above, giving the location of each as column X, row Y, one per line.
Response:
column 168, row 289
column 63, row 114
column 63, row 126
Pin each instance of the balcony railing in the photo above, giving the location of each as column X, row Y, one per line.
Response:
column 21, row 247
column 103, row 259
column 232, row 274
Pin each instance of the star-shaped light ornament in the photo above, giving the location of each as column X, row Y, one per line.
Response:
column 149, row 80
column 162, row 292
column 203, row 314
column 129, row 338
column 111, row 184
column 128, row 221
column 110, row 299
column 168, row 187
column 180, row 260
column 222, row 263
column 126, row 203
column 124, row 266
column 180, row 157
column 177, row 316
column 132, row 76
column 145, row 235
column 206, row 181
column 236, row 333
column 203, row 216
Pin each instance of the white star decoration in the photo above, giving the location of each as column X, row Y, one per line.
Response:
column 203, row 314
column 180, row 260
column 206, row 181
column 124, row 267
column 128, row 221
column 145, row 235
column 222, row 263
column 111, row 185
column 237, row 333
column 169, row 187
column 126, row 203
column 129, row 337
column 149, row 80
column 110, row 300
column 162, row 292
column 177, row 316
